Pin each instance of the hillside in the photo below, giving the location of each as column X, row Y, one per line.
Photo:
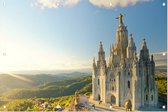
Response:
column 8, row 82
column 60, row 92
column 37, row 104
column 54, row 89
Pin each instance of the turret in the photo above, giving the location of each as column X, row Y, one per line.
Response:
column 152, row 65
column 131, row 49
column 144, row 53
column 152, row 59
column 101, row 56
column 94, row 67
column 101, row 53
column 111, row 55
column 94, row 63
column 131, row 43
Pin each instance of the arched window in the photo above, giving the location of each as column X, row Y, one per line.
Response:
column 128, row 73
column 146, row 97
column 98, row 82
column 113, row 88
column 128, row 84
column 151, row 97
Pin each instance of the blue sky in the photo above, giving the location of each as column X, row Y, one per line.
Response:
column 39, row 34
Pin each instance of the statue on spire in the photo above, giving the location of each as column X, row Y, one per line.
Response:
column 144, row 44
column 131, row 35
column 101, row 47
column 120, row 17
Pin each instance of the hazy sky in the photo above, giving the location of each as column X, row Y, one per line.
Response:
column 65, row 34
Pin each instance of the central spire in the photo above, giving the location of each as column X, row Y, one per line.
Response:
column 121, row 37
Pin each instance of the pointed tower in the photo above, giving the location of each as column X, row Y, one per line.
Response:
column 101, row 57
column 131, row 49
column 95, row 79
column 152, row 72
column 121, row 37
column 111, row 55
column 144, row 53
column 152, row 65
column 94, row 66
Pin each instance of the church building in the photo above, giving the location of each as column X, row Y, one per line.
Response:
column 126, row 77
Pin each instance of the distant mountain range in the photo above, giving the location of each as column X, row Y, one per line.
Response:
column 8, row 82
column 160, row 62
column 52, row 89
column 51, row 72
column 37, row 78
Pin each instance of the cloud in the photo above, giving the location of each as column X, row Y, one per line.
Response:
column 55, row 3
column 71, row 2
column 110, row 4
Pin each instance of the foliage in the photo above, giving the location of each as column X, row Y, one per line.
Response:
column 86, row 89
column 37, row 104
column 17, row 105
column 162, row 86
column 49, row 93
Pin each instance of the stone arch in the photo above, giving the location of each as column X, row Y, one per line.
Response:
column 113, row 99
column 128, row 105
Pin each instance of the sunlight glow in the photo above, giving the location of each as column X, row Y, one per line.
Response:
column 17, row 76
column 18, row 55
column 164, row 54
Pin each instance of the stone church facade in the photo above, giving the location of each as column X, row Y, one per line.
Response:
column 125, row 77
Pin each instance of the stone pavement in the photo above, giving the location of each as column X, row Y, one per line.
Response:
column 106, row 107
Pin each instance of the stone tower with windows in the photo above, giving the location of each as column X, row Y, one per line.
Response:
column 126, row 77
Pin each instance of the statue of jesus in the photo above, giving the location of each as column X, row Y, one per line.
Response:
column 120, row 18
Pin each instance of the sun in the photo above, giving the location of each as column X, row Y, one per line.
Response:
column 164, row 54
